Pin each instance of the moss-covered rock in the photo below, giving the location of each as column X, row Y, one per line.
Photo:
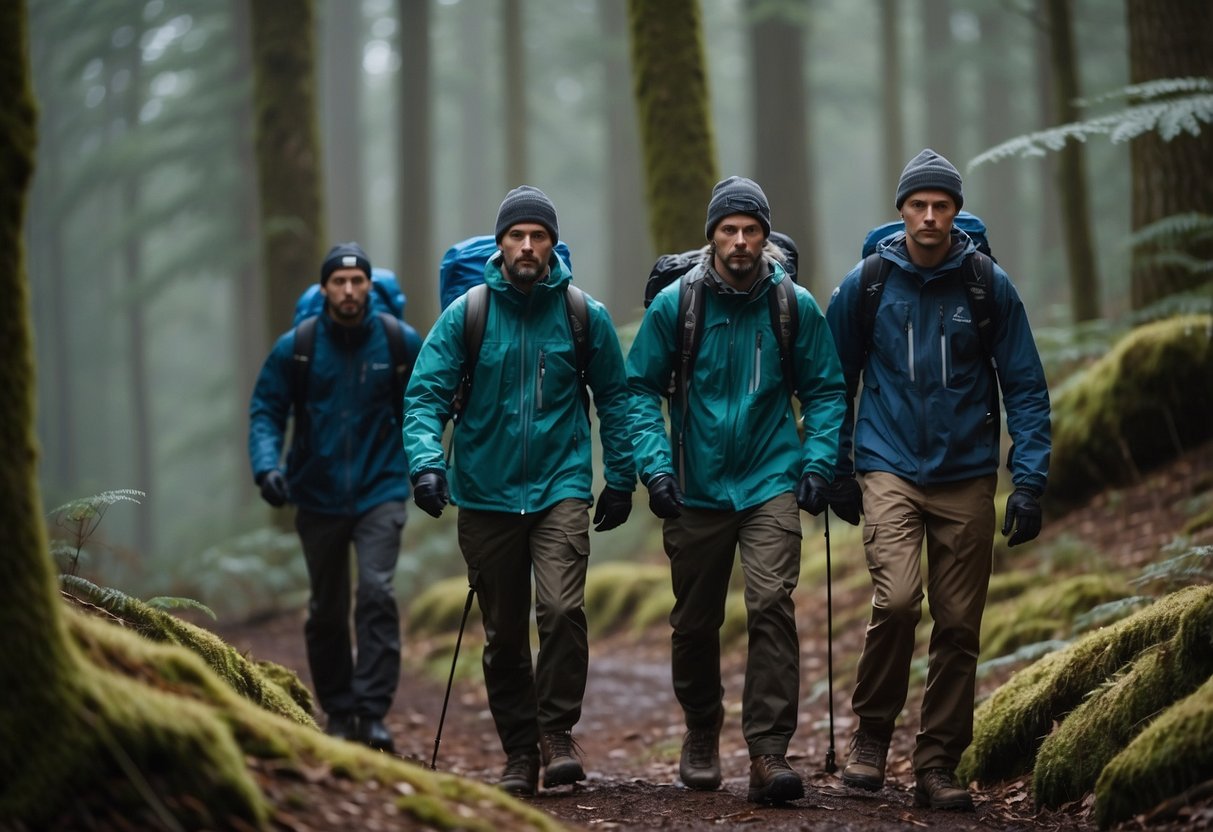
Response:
column 614, row 591
column 1140, row 405
column 439, row 609
column 1043, row 611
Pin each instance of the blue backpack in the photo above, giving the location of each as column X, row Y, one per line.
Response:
column 387, row 302
column 462, row 266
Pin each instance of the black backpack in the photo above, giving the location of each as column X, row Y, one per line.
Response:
column 475, row 319
column 305, row 349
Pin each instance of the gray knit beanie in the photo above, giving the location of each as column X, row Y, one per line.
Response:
column 737, row 195
column 928, row 171
column 527, row 204
column 344, row 256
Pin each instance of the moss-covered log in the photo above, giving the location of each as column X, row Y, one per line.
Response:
column 1044, row 611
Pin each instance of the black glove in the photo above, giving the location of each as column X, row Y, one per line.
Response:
column 613, row 509
column 273, row 488
column 846, row 498
column 430, row 492
column 1023, row 514
column 811, row 493
column 665, row 497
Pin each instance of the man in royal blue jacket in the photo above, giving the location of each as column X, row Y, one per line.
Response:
column 925, row 446
column 348, row 477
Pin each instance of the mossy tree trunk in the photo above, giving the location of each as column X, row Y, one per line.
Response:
column 288, row 152
column 415, row 243
column 1169, row 39
column 670, row 79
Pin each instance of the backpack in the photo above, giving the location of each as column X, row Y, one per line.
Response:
column 462, row 273
column 977, row 275
column 462, row 266
column 785, row 317
column 385, row 295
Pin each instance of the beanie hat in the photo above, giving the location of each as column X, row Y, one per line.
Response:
column 527, row 204
column 737, row 195
column 928, row 171
column 344, row 256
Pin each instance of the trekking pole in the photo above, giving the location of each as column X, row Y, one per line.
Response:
column 467, row 607
column 830, row 766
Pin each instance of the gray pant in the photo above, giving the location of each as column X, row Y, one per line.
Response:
column 502, row 549
column 701, row 546
column 343, row 686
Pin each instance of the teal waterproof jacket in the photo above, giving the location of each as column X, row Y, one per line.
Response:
column 928, row 411
column 741, row 446
column 523, row 441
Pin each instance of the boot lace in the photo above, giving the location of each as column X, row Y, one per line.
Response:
column 561, row 744
column 868, row 750
column 520, row 766
column 774, row 763
column 701, row 747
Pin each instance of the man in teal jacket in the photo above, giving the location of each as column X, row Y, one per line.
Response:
column 925, row 446
column 741, row 472
column 520, row 472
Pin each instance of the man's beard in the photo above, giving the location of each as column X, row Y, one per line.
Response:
column 742, row 269
column 340, row 313
column 525, row 271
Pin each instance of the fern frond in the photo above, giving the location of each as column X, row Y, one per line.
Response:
column 105, row 597
column 1110, row 612
column 170, row 602
column 85, row 507
column 1025, row 654
column 1158, row 88
column 1194, row 566
column 1176, row 229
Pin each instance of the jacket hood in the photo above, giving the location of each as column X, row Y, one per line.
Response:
column 895, row 250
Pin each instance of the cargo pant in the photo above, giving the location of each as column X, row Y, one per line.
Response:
column 701, row 546
column 957, row 522
column 502, row 550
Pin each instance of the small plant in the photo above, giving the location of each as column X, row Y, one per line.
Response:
column 79, row 519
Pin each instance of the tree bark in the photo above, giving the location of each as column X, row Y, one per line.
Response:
column 939, row 65
column 892, row 120
column 673, row 108
column 1169, row 39
column 415, row 245
column 513, row 56
column 341, row 105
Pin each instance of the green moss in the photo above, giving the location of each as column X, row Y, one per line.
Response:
column 1172, row 754
column 1040, row 612
column 440, row 608
column 1009, row 726
column 1072, row 757
column 1137, row 407
column 615, row 591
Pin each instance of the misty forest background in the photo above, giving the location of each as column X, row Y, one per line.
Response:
column 156, row 298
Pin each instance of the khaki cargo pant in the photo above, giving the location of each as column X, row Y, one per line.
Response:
column 957, row 521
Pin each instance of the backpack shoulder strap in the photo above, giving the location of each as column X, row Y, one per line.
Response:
column 978, row 281
column 576, row 309
column 785, row 321
column 402, row 367
column 301, row 365
column 872, row 278
column 689, row 333
column 475, row 318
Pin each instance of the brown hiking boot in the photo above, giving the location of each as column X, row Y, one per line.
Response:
column 560, row 759
column 699, row 767
column 938, row 789
column 521, row 775
column 865, row 763
column 772, row 780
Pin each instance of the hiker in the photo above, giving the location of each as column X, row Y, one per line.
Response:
column 925, row 447
column 733, row 472
column 347, row 477
column 520, row 472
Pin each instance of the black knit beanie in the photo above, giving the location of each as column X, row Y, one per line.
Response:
column 344, row 256
column 527, row 204
column 738, row 195
column 928, row 171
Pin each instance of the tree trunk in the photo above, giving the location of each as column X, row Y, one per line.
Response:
column 627, row 215
column 341, row 106
column 477, row 132
column 1169, row 39
column 1071, row 169
column 1001, row 205
column 939, row 65
column 673, row 108
column 1048, row 221
column 513, row 58
column 288, row 161
column 892, row 121
column 415, row 243
column 782, row 146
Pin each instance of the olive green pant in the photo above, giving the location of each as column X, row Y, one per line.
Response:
column 957, row 521
column 502, row 550
column 701, row 546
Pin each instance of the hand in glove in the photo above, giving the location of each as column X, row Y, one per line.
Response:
column 846, row 498
column 273, row 488
column 811, row 493
column 1023, row 515
column 665, row 497
column 613, row 509
column 430, row 492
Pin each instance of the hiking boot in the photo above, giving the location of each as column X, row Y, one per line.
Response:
column 521, row 775
column 865, row 763
column 699, row 766
column 772, row 780
column 938, row 789
column 343, row 726
column 374, row 734
column 561, row 766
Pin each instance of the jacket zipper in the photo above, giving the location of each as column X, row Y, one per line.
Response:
column 910, row 344
column 754, row 379
column 539, row 392
column 943, row 351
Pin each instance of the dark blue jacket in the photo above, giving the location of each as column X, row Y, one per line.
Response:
column 924, row 413
column 349, row 459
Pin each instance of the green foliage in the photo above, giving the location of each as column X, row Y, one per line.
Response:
column 262, row 571
column 78, row 519
column 615, row 591
column 1045, row 611
column 170, row 602
column 1169, row 107
column 1192, row 565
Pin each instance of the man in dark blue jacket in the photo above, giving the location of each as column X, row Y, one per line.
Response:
column 925, row 446
column 346, row 473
